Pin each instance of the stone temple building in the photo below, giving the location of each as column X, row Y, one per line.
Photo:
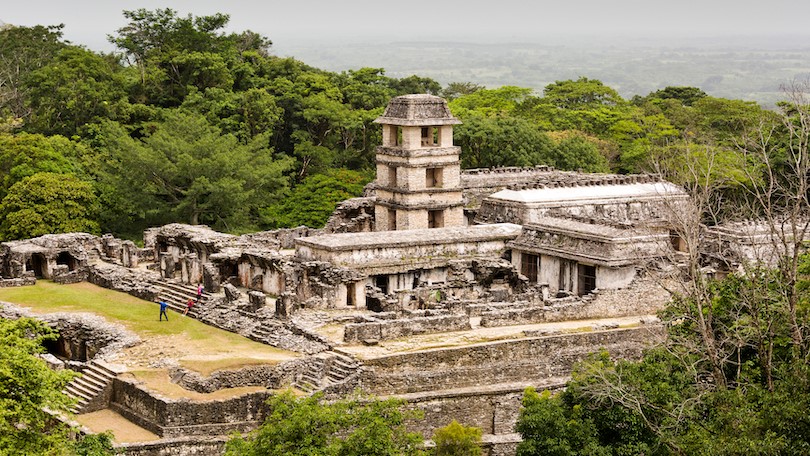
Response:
column 433, row 251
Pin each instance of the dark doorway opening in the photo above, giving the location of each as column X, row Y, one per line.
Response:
column 38, row 264
column 350, row 294
column 587, row 279
column 66, row 259
column 381, row 282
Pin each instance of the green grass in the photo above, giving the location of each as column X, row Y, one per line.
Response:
column 137, row 315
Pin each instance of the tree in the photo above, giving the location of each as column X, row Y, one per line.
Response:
column 580, row 94
column 686, row 95
column 76, row 88
column 457, row 440
column 549, row 429
column 48, row 203
column 27, row 388
column 174, row 54
column 458, row 89
column 501, row 141
column 23, row 155
column 313, row 201
column 23, row 50
column 310, row 426
column 187, row 170
column 577, row 153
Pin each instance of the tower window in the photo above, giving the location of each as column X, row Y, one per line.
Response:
column 435, row 219
column 392, row 219
column 430, row 136
column 392, row 176
column 433, row 177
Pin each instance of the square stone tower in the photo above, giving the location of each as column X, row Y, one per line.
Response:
column 418, row 168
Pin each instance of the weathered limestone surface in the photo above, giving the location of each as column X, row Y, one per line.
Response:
column 643, row 297
column 530, row 360
column 393, row 329
column 391, row 252
column 270, row 376
column 174, row 418
column 180, row 446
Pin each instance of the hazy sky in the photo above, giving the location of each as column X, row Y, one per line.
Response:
column 89, row 21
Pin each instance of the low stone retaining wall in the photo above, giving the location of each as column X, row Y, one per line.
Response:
column 176, row 418
column 18, row 282
column 272, row 377
column 527, row 361
column 393, row 329
column 184, row 446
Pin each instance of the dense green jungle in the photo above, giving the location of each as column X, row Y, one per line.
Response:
column 187, row 123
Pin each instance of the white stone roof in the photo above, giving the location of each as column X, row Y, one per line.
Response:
column 404, row 238
column 584, row 193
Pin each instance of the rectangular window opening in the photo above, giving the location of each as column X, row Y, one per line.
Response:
column 435, row 219
column 433, row 177
column 392, row 219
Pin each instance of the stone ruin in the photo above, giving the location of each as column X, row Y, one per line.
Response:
column 430, row 250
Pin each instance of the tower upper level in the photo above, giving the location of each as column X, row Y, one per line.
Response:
column 417, row 121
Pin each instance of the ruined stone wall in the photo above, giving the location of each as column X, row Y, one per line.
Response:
column 493, row 410
column 393, row 329
column 645, row 296
column 175, row 418
column 181, row 446
column 270, row 376
column 18, row 282
column 529, row 361
column 82, row 336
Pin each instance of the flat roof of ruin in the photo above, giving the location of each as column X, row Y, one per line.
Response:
column 406, row 238
column 590, row 192
column 577, row 227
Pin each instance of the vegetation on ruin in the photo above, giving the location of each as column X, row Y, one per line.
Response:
column 671, row 403
column 189, row 123
column 456, row 439
column 31, row 392
column 349, row 427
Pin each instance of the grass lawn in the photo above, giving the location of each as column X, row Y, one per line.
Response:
column 202, row 346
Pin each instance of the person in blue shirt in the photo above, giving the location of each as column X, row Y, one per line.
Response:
column 163, row 313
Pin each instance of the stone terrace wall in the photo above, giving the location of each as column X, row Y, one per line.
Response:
column 183, row 446
column 392, row 329
column 642, row 297
column 527, row 361
column 170, row 418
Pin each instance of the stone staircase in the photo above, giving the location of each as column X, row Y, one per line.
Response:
column 90, row 386
column 327, row 369
column 177, row 295
column 268, row 332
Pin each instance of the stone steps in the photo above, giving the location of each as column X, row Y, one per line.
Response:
column 93, row 380
column 266, row 333
column 327, row 369
column 177, row 295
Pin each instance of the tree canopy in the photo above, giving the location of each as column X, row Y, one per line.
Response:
column 310, row 426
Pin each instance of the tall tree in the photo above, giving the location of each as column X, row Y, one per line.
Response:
column 23, row 50
column 186, row 169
